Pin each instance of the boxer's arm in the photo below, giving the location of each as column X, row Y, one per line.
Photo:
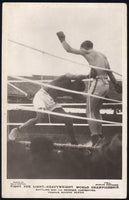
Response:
column 69, row 49
column 66, row 46
column 110, row 74
column 112, row 78
column 75, row 77
column 117, row 85
column 70, row 76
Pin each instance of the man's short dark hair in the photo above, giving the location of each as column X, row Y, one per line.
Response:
column 87, row 45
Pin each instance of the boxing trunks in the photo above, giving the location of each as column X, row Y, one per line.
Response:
column 43, row 100
column 99, row 86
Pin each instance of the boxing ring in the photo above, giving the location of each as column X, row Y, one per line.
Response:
column 28, row 108
column 81, row 121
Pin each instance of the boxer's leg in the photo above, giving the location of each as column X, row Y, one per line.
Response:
column 68, row 123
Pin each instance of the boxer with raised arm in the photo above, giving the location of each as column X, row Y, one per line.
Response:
column 99, row 86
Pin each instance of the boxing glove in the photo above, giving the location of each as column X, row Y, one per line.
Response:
column 61, row 36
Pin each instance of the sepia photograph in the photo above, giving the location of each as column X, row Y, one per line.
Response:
column 64, row 100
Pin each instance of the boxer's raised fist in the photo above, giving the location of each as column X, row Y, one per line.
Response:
column 61, row 36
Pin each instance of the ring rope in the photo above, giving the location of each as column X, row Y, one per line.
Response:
column 74, row 146
column 59, row 114
column 65, row 104
column 66, row 90
column 61, row 124
column 67, row 145
column 44, row 52
column 47, row 81
column 18, row 89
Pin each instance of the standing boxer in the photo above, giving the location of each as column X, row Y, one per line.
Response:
column 99, row 86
